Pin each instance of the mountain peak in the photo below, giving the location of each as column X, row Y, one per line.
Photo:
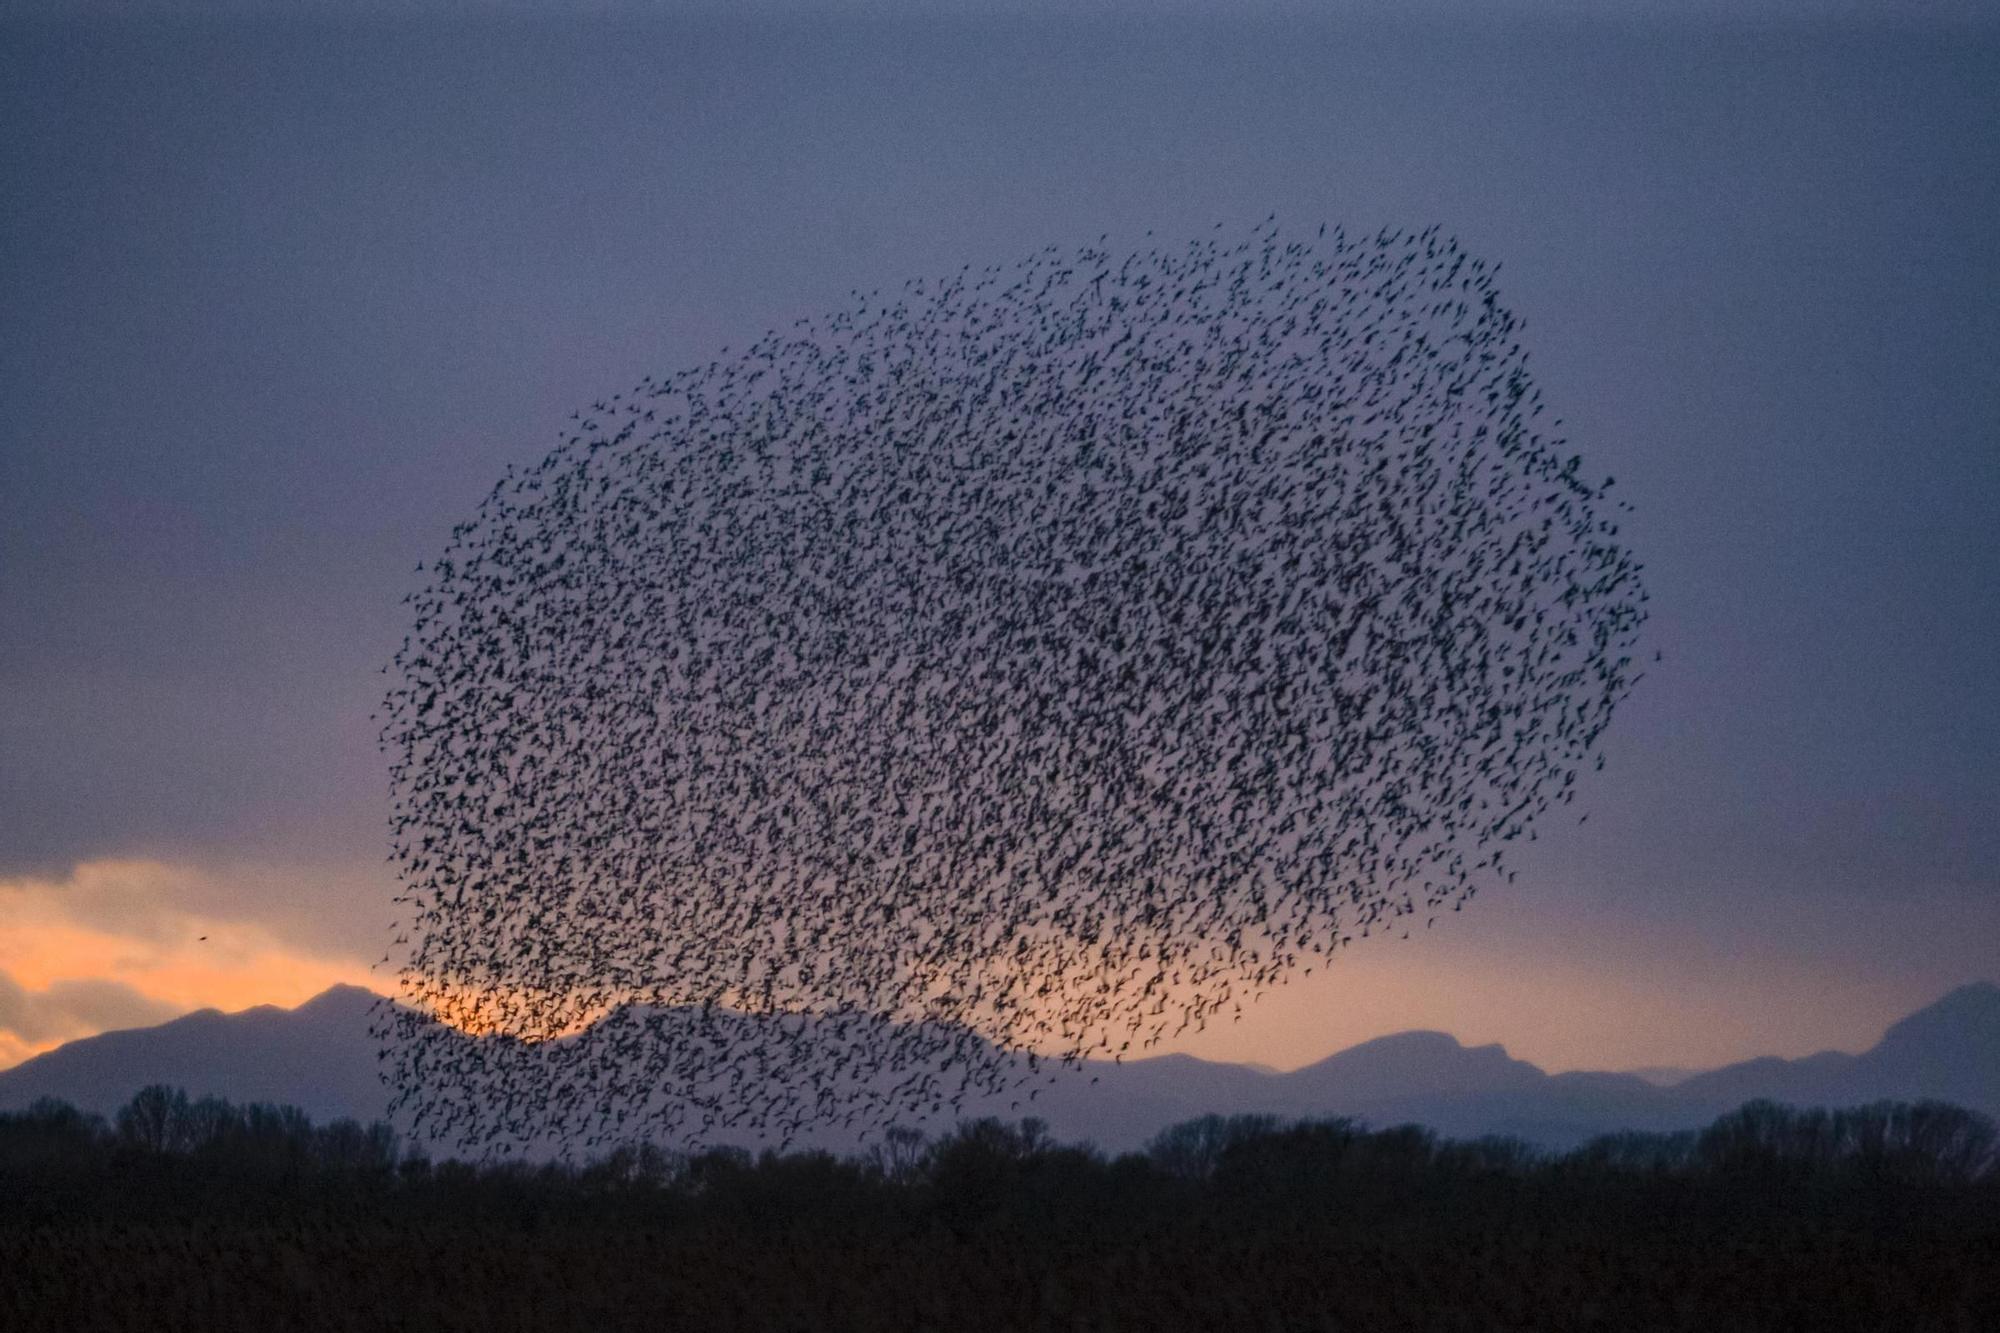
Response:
column 342, row 997
column 1427, row 1040
column 1981, row 995
column 1420, row 1063
column 1971, row 1009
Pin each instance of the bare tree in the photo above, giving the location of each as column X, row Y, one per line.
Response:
column 157, row 1119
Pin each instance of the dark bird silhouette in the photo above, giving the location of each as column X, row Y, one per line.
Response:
column 1033, row 664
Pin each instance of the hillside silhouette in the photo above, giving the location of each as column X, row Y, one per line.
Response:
column 321, row 1058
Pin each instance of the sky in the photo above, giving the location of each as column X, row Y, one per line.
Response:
column 284, row 297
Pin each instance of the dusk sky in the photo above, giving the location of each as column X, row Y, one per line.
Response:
column 280, row 300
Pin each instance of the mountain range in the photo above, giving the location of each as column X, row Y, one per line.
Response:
column 321, row 1058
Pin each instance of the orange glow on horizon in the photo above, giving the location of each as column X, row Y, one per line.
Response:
column 1556, row 991
column 119, row 922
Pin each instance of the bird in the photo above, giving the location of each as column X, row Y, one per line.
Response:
column 1014, row 671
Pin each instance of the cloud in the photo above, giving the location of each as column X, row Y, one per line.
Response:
column 319, row 908
column 124, row 943
column 67, row 1009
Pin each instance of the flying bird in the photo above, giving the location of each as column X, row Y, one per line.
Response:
column 1029, row 665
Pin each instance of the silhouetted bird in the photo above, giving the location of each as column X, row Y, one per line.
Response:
column 1034, row 664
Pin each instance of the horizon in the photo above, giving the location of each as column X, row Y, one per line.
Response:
column 1650, row 1073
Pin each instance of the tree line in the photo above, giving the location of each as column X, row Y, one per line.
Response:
column 203, row 1212
column 1926, row 1143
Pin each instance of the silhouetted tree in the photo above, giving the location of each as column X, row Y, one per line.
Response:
column 900, row 1152
column 156, row 1119
column 1191, row 1149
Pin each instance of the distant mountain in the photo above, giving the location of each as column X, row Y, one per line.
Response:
column 320, row 1057
column 1413, row 1064
column 317, row 1057
column 1949, row 1050
column 1663, row 1076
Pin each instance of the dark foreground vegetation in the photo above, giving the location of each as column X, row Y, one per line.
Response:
column 208, row 1216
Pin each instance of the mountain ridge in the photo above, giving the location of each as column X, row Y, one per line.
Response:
column 320, row 1057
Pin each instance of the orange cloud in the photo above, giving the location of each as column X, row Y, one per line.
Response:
column 159, row 931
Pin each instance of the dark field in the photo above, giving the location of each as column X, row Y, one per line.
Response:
column 215, row 1217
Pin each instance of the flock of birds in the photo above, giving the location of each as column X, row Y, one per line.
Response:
column 1021, row 669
